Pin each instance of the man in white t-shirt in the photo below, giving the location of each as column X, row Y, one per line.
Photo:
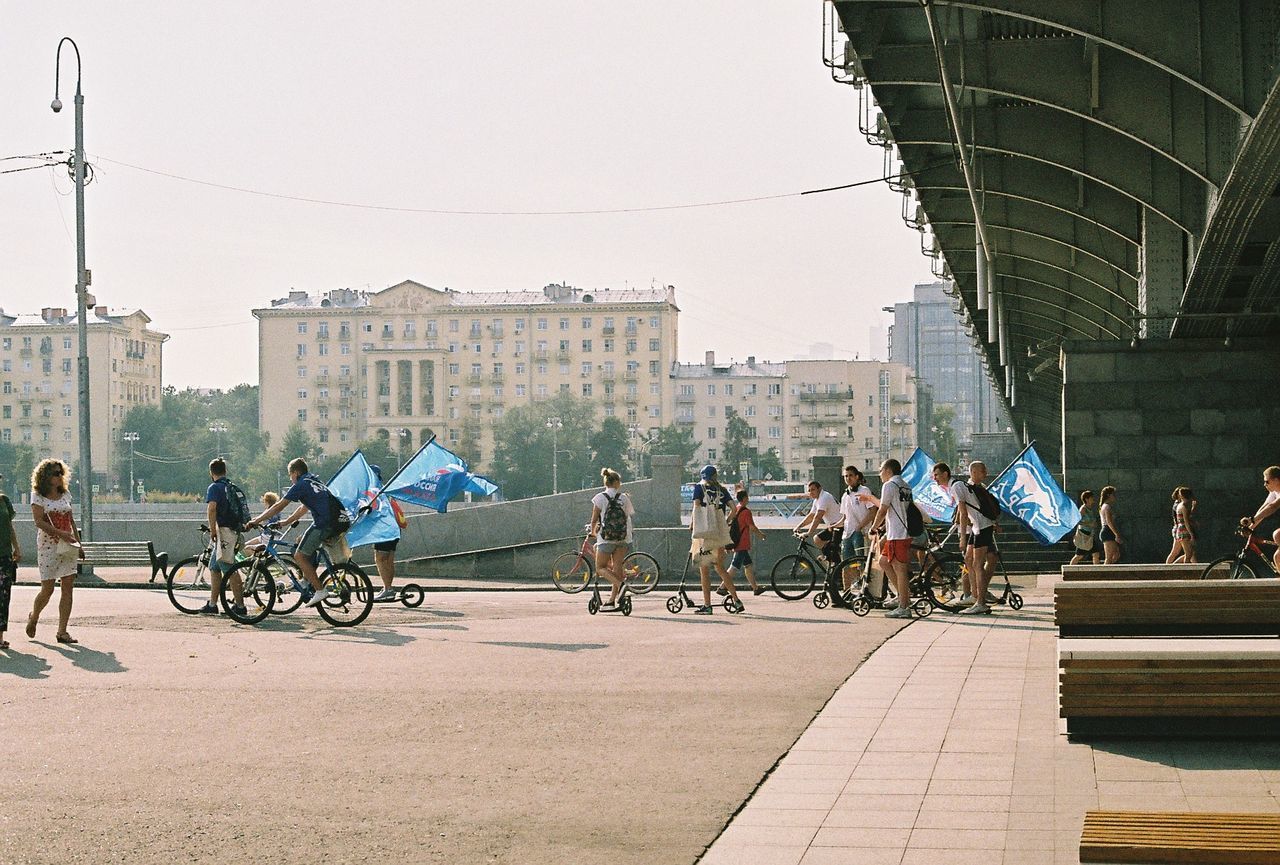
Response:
column 1271, row 479
column 977, row 537
column 856, row 513
column 823, row 513
column 895, row 553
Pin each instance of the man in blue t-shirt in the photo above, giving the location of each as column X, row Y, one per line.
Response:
column 225, row 539
column 311, row 495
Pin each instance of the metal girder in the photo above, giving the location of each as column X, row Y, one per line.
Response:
column 1017, row 217
column 1201, row 42
column 1037, row 183
column 1089, row 330
column 1053, row 289
column 1044, row 135
column 1116, row 91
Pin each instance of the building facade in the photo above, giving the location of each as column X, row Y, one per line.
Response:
column 862, row 411
column 928, row 336
column 39, row 403
column 411, row 361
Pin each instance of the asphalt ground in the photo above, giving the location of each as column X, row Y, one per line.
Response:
column 479, row 728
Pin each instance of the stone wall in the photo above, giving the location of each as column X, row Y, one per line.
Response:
column 1168, row 413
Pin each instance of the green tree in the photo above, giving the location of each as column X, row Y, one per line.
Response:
column 523, row 445
column 678, row 440
column 769, row 465
column 943, row 433
column 735, row 449
column 609, row 444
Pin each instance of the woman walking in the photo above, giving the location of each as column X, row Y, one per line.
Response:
column 1087, row 543
column 611, row 525
column 1184, row 536
column 711, row 505
column 1110, row 535
column 57, row 543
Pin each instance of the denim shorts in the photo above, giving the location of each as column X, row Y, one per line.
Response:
column 853, row 545
column 608, row 547
column 741, row 558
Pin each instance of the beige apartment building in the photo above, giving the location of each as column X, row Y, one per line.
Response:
column 862, row 411
column 410, row 360
column 39, row 403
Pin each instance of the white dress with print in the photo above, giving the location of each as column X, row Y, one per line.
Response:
column 52, row 566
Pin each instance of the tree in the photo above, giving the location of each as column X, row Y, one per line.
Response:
column 944, row 433
column 523, row 445
column 678, row 440
column 735, row 449
column 769, row 465
column 468, row 446
column 609, row 445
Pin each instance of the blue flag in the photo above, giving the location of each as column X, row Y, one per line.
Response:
column 355, row 485
column 434, row 476
column 1027, row 490
column 930, row 498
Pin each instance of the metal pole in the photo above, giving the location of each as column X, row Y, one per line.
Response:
column 555, row 462
column 131, row 471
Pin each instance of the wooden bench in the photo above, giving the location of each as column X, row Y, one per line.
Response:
column 1190, row 688
column 1179, row 837
column 1075, row 573
column 1167, row 608
column 123, row 554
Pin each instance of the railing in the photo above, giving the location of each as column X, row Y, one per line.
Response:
column 824, row 395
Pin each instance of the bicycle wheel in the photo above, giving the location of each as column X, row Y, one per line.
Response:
column 942, row 583
column 259, row 591
column 287, row 576
column 1228, row 568
column 188, row 584
column 572, row 572
column 642, row 573
column 793, row 577
column 350, row 595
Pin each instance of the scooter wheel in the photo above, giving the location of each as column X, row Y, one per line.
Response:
column 593, row 606
column 412, row 595
column 821, row 600
column 922, row 607
column 727, row 603
column 674, row 604
column 625, row 605
column 861, row 606
column 1015, row 601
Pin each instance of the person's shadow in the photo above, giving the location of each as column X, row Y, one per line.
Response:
column 89, row 659
column 22, row 665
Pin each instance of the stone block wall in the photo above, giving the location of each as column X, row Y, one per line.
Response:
column 1168, row 413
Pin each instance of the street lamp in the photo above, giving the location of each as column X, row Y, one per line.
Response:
column 555, row 424
column 82, row 289
column 130, row 437
column 402, row 434
column 218, row 428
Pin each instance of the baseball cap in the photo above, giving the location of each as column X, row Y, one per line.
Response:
column 708, row 471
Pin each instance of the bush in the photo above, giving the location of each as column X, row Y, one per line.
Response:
column 162, row 498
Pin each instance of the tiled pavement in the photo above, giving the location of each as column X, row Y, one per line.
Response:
column 944, row 747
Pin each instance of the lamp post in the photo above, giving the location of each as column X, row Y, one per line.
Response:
column 401, row 434
column 130, row 437
column 555, row 424
column 218, row 428
column 82, row 289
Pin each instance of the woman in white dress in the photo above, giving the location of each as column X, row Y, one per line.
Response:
column 57, row 542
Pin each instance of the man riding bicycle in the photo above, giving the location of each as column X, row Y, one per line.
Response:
column 329, row 521
column 1270, row 505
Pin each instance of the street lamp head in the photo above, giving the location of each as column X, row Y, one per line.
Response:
column 56, row 105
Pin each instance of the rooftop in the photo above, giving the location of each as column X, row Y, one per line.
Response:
column 403, row 295
column 61, row 317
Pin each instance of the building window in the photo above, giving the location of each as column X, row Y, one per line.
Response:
column 653, row 367
column 302, row 327
column 302, row 349
column 711, row 411
column 728, row 390
column 542, row 324
column 404, row 387
column 655, row 411
column 410, row 330
column 564, row 345
column 750, row 411
column 586, row 345
column 711, row 454
column 302, row 414
column 775, row 432
column 427, row 387
column 608, row 344
column 66, row 343
column 586, row 368
column 564, row 324
column 711, row 390
column 653, row 321
column 586, row 322
column 302, row 372
column 655, row 345
column 302, row 393
column 586, row 388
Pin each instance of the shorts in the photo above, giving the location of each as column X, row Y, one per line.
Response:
column 386, row 546
column 741, row 558
column 1107, row 535
column 227, row 543
column 609, row 547
column 853, row 545
column 313, row 538
column 896, row 551
column 985, row 539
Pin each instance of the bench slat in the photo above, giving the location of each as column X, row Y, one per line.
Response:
column 1156, row 837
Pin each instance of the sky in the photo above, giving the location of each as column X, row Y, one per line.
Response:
column 545, row 106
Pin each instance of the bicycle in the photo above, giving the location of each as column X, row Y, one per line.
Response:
column 187, row 582
column 574, row 570
column 1237, row 566
column 794, row 576
column 943, row 582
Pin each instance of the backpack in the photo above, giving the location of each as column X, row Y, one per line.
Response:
column 987, row 504
column 613, row 525
column 238, row 514
column 341, row 519
column 914, row 518
column 735, row 531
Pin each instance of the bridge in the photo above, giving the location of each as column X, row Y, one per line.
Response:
column 1100, row 179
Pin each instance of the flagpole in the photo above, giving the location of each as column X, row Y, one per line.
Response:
column 1013, row 462
column 399, row 471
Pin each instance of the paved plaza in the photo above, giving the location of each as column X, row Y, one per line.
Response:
column 512, row 727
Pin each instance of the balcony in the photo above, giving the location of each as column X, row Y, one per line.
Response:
column 475, row 379
column 564, row 356
column 322, row 336
column 819, row 396
column 344, row 334
column 631, row 375
column 539, row 354
column 541, row 397
column 684, row 421
column 609, row 330
column 631, row 331
column 902, row 398
column 685, row 399
column 26, row 352
column 322, row 380
column 498, row 378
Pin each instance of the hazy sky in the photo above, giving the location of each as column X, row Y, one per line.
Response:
column 456, row 106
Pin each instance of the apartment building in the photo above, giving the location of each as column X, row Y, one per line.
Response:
column 409, row 361
column 862, row 411
column 39, row 403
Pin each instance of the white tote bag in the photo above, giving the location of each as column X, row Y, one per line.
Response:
column 704, row 522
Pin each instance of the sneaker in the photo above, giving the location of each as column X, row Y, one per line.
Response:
column 318, row 597
column 966, row 598
column 899, row 613
column 386, row 595
column 738, row 606
column 976, row 610
column 722, row 591
column 703, row 611
column 209, row 610
column 990, row 599
column 239, row 610
column 757, row 591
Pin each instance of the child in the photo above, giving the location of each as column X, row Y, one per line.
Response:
column 268, row 499
column 746, row 523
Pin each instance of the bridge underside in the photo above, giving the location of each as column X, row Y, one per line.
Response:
column 1120, row 158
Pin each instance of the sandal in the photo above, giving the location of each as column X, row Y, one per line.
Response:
column 4, row 644
column 64, row 637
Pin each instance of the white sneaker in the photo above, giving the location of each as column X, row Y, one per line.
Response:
column 966, row 598
column 976, row 610
column 386, row 595
column 318, row 597
column 899, row 613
